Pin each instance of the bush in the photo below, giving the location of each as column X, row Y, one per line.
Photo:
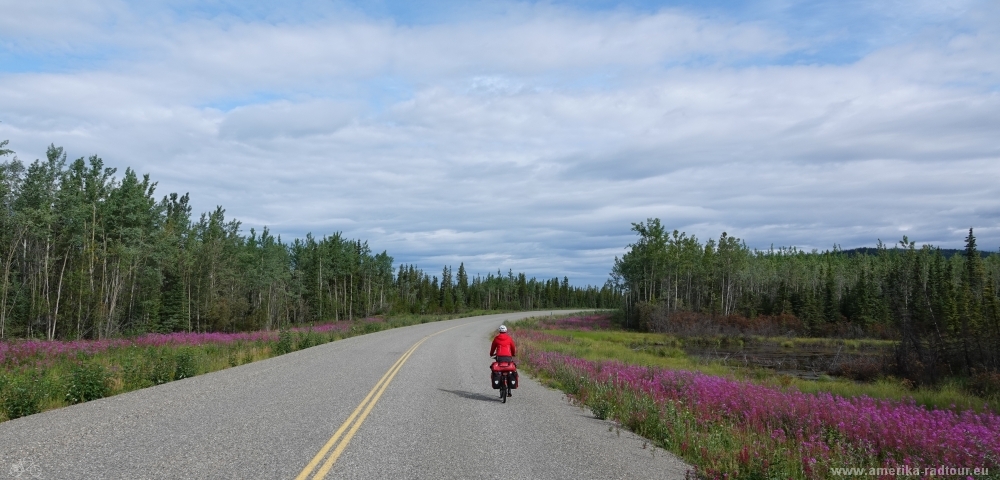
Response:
column 366, row 327
column 185, row 365
column 87, row 382
column 601, row 400
column 285, row 344
column 21, row 398
column 306, row 340
column 135, row 371
column 162, row 368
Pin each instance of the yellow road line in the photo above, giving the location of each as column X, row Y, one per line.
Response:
column 363, row 409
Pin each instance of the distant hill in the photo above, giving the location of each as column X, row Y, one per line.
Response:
column 946, row 252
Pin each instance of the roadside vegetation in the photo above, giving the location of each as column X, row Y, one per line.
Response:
column 39, row 375
column 745, row 421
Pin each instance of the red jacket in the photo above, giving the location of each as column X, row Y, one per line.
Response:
column 503, row 346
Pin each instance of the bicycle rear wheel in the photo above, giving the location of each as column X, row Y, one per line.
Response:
column 503, row 390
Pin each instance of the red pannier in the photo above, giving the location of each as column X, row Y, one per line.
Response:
column 503, row 367
column 497, row 368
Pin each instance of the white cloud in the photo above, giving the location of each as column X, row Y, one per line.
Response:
column 252, row 123
column 531, row 139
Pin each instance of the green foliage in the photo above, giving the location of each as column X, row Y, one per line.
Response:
column 4, row 151
column 88, row 381
column 600, row 400
column 161, row 367
column 363, row 328
column 308, row 339
column 184, row 363
column 133, row 368
column 285, row 343
column 21, row 397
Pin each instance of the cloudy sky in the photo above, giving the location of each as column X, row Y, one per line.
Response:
column 529, row 135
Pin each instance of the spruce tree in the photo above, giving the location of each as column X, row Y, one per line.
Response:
column 462, row 294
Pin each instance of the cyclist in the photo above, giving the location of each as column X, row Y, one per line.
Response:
column 503, row 347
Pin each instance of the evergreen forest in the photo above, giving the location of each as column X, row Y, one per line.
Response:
column 86, row 254
column 944, row 311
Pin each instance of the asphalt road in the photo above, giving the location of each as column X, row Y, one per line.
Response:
column 437, row 417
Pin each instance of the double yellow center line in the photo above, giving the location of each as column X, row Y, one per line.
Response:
column 357, row 417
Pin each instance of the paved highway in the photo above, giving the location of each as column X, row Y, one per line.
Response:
column 411, row 402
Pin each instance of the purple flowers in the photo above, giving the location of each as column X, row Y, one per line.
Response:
column 19, row 353
column 739, row 429
column 820, row 423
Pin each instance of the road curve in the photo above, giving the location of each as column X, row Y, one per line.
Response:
column 436, row 418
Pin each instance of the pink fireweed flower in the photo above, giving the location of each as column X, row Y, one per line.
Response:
column 18, row 353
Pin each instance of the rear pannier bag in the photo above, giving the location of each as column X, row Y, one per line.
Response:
column 503, row 367
column 496, row 380
column 512, row 380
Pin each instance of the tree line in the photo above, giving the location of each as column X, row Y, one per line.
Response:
column 85, row 254
column 944, row 310
column 418, row 292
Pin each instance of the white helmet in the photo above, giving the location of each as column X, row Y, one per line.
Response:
column 503, row 329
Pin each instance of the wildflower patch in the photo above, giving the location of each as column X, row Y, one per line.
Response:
column 733, row 428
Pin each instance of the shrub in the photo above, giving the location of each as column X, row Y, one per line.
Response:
column 162, row 368
column 601, row 400
column 366, row 327
column 134, row 372
column 88, row 381
column 306, row 340
column 185, row 365
column 21, row 398
column 284, row 344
